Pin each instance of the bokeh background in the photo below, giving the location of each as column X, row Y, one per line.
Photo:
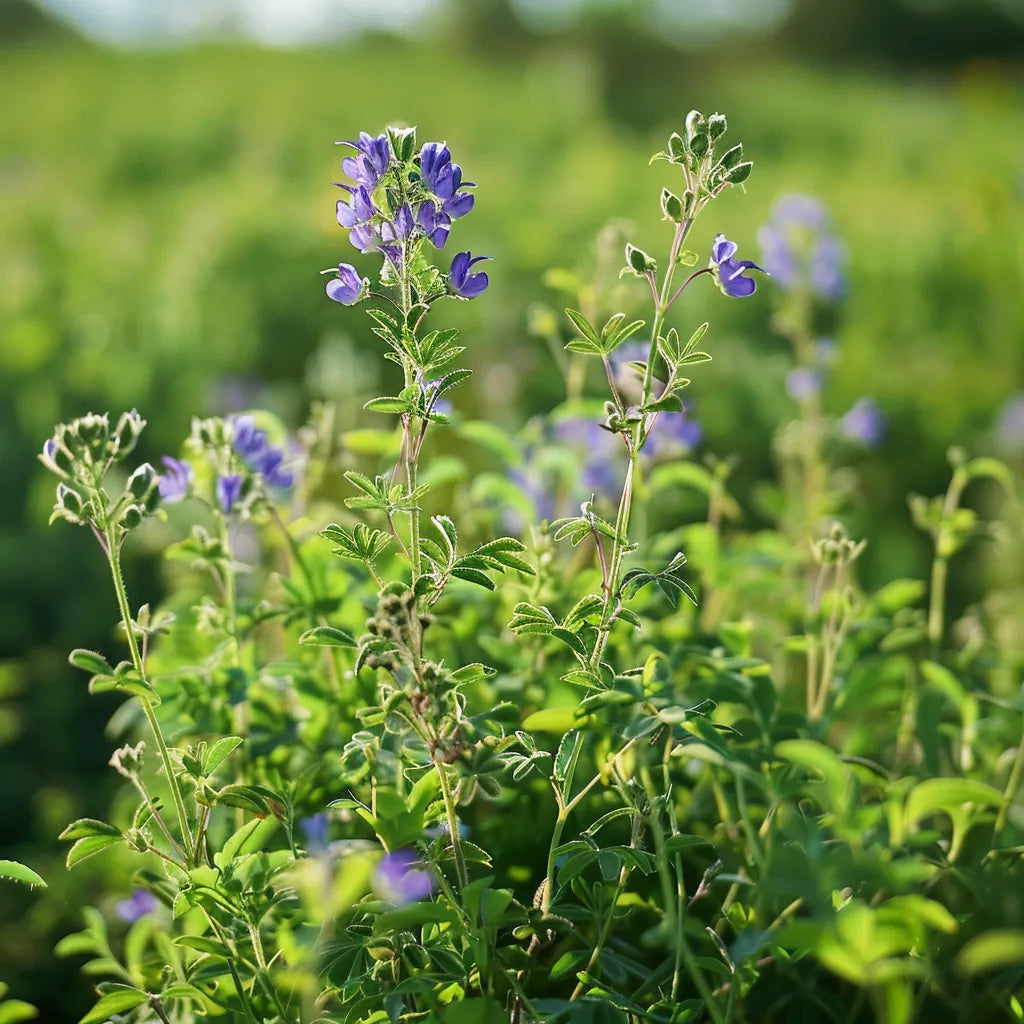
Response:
column 166, row 205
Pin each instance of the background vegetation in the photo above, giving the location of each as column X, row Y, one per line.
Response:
column 163, row 215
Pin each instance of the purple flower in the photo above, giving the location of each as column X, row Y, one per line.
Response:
column 461, row 282
column 436, row 167
column 799, row 247
column 1010, row 425
column 443, row 179
column 864, row 423
column 673, row 432
column 401, row 878
column 803, row 382
column 247, row 439
column 729, row 272
column 600, row 471
column 175, row 483
column 372, row 159
column 252, row 446
column 315, row 829
column 229, row 490
column 359, row 211
column 347, row 288
column 402, row 226
column 139, row 904
column 433, row 223
column 363, row 238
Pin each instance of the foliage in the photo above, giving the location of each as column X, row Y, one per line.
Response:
column 785, row 796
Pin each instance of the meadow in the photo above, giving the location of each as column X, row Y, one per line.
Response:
column 164, row 219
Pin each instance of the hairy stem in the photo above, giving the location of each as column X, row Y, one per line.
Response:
column 114, row 558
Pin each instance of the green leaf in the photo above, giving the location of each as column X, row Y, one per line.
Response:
column 220, row 750
column 116, row 1000
column 89, row 827
column 567, row 750
column 949, row 795
column 992, row 951
column 474, row 576
column 326, row 636
column 89, row 845
column 90, row 661
column 14, row 1011
column 557, row 720
column 389, row 404
column 16, row 872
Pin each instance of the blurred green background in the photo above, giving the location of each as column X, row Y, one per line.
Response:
column 166, row 204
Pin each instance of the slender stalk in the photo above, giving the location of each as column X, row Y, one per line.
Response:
column 1012, row 785
column 230, row 591
column 114, row 559
column 453, row 823
column 944, row 545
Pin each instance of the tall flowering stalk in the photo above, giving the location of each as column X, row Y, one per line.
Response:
column 708, row 168
column 401, row 206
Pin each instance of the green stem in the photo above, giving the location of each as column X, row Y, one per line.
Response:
column 114, row 559
column 1012, row 785
column 453, row 823
column 619, row 545
column 230, row 591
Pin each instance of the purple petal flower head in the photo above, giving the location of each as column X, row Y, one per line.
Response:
column 175, row 483
column 436, row 169
column 674, row 433
column 433, row 223
column 1010, row 425
column 271, row 469
column 139, row 904
column 348, row 287
column 315, row 830
column 803, row 382
column 247, row 439
column 729, row 272
column 402, row 226
column 401, row 878
column 864, row 423
column 359, row 211
column 229, row 490
column 372, row 159
column 461, row 282
column 799, row 248
column 363, row 238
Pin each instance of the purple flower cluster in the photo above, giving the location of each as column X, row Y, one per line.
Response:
column 674, row 433
column 251, row 445
column 800, row 249
column 421, row 200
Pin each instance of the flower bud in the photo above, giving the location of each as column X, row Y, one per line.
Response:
column 638, row 261
column 717, row 125
column 127, row 760
column 70, row 506
column 142, row 482
column 403, row 142
column 126, row 433
column 694, row 124
column 671, row 206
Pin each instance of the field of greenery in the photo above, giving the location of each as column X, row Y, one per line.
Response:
column 794, row 799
